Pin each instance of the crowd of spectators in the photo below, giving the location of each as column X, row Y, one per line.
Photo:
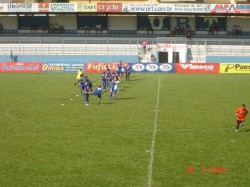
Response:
column 178, row 30
column 183, row 30
column 237, row 30
column 55, row 27
column 97, row 28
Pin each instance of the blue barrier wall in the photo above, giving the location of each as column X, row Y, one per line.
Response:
column 73, row 58
column 228, row 59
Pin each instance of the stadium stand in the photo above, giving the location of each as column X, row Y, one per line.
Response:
column 127, row 48
column 31, row 35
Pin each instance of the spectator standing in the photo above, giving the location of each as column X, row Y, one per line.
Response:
column 1, row 27
column 234, row 29
column 211, row 29
column 177, row 29
column 56, row 27
column 150, row 29
column 11, row 57
column 238, row 30
column 153, row 58
column 188, row 32
column 51, row 27
column 144, row 45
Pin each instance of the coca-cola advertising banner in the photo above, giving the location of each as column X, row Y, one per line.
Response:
column 197, row 68
column 26, row 67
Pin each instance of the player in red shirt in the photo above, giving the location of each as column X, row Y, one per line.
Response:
column 241, row 114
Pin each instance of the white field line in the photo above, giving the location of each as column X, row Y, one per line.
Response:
column 150, row 167
column 8, row 111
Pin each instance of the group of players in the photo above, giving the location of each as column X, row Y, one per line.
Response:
column 110, row 81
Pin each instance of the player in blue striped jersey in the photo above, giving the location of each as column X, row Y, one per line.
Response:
column 98, row 93
column 86, row 92
column 119, row 69
column 81, row 84
column 104, row 81
column 89, row 82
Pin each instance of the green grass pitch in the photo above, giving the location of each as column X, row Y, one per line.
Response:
column 162, row 130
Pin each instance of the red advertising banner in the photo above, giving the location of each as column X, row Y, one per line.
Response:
column 230, row 8
column 95, row 67
column 197, row 68
column 28, row 67
column 109, row 7
column 43, row 7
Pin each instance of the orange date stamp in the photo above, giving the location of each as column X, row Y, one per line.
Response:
column 203, row 169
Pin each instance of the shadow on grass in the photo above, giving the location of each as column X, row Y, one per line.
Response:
column 122, row 90
column 133, row 79
column 109, row 103
column 245, row 130
column 124, row 98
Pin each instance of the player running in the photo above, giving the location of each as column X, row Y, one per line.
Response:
column 241, row 114
column 114, row 87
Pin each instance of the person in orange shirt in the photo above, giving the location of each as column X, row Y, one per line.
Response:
column 241, row 114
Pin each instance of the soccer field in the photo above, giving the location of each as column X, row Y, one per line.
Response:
column 162, row 130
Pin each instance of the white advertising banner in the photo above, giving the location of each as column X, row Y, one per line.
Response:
column 193, row 8
column 18, row 7
column 3, row 7
column 63, row 7
column 173, row 8
column 147, row 7
column 128, row 7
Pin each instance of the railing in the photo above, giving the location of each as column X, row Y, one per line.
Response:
column 197, row 49
column 124, row 33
